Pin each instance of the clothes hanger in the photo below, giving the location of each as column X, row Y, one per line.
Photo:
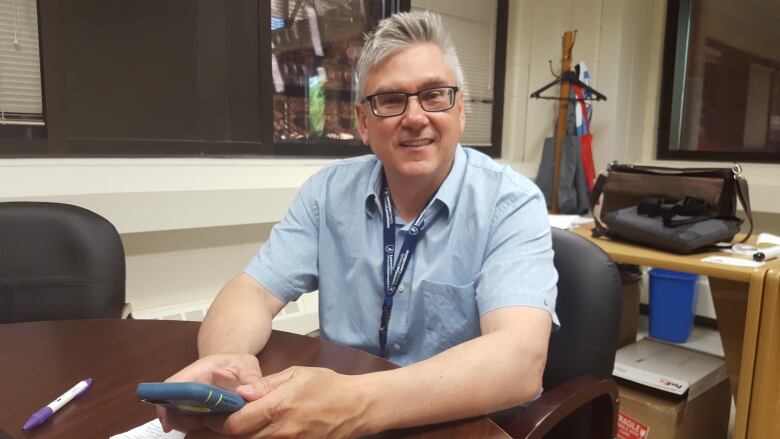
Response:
column 572, row 78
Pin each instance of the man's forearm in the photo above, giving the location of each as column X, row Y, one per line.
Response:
column 487, row 374
column 239, row 319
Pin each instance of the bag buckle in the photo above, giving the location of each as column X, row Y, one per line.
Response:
column 651, row 207
column 692, row 207
column 737, row 170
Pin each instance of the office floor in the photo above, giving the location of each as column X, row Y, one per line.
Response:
column 701, row 339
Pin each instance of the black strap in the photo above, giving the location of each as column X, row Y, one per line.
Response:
column 743, row 194
column 598, row 187
column 668, row 209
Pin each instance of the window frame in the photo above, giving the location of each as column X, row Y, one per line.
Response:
column 674, row 65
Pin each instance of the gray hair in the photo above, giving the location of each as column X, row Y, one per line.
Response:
column 399, row 32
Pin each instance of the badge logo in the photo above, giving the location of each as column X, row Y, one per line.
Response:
column 413, row 230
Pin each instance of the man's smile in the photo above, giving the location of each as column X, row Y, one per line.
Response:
column 416, row 142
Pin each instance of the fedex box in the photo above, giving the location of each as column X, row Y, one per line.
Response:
column 669, row 392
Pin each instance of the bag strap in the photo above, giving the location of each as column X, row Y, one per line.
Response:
column 692, row 208
column 743, row 194
column 661, row 170
column 598, row 187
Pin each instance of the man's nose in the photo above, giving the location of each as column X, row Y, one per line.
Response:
column 414, row 114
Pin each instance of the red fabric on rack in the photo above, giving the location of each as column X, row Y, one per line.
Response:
column 586, row 150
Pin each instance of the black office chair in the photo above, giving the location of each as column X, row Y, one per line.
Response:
column 59, row 262
column 580, row 399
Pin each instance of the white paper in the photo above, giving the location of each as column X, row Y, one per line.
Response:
column 736, row 262
column 768, row 238
column 567, row 221
column 741, row 250
column 150, row 430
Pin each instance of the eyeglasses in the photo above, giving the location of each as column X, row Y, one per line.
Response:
column 431, row 100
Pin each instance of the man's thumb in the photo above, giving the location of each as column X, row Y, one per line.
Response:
column 263, row 386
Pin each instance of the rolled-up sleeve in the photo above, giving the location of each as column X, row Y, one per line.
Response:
column 286, row 265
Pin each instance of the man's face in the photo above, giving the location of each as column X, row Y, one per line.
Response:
column 416, row 143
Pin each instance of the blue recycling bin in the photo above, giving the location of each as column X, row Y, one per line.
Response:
column 672, row 304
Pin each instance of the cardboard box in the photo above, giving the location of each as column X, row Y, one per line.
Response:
column 630, row 277
column 668, row 392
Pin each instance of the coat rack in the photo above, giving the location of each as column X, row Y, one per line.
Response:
column 565, row 79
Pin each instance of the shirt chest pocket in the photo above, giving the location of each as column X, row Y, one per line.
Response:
column 451, row 315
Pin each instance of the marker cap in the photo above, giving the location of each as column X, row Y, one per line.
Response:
column 38, row 418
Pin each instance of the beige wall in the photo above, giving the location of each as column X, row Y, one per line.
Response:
column 619, row 41
column 170, row 267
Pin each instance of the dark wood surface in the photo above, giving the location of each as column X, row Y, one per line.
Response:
column 40, row 361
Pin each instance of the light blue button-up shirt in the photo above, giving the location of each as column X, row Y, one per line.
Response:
column 486, row 245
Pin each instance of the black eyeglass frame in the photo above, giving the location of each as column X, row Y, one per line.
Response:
column 370, row 100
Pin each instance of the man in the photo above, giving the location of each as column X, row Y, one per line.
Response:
column 429, row 254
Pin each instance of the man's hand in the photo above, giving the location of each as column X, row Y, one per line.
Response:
column 227, row 371
column 298, row 402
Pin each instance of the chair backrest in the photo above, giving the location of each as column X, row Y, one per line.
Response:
column 589, row 305
column 57, row 262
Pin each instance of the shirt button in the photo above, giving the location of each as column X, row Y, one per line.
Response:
column 401, row 288
column 397, row 347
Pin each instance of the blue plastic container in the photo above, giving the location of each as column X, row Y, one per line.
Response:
column 672, row 304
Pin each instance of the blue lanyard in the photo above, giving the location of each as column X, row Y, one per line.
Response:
column 394, row 270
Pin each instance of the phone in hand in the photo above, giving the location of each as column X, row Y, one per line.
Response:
column 190, row 397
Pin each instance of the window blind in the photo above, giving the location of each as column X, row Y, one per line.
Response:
column 475, row 42
column 20, row 72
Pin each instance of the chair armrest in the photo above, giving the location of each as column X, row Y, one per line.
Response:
column 555, row 404
column 117, row 312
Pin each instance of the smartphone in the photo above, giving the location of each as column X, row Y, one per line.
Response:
column 190, row 397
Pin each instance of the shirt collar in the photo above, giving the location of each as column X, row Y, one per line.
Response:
column 373, row 189
column 447, row 193
column 450, row 187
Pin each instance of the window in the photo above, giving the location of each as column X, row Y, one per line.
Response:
column 314, row 51
column 172, row 78
column 474, row 29
column 20, row 73
column 720, row 97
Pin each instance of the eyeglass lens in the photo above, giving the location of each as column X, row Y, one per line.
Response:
column 392, row 104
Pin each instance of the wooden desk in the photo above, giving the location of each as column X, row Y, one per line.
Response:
column 764, row 416
column 39, row 361
column 737, row 293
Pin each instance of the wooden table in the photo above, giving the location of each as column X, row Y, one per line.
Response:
column 764, row 417
column 39, row 361
column 739, row 294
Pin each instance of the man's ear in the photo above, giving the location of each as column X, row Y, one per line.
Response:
column 360, row 113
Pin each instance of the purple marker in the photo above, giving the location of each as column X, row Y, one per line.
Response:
column 45, row 413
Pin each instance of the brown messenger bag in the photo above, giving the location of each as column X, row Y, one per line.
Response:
column 626, row 186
